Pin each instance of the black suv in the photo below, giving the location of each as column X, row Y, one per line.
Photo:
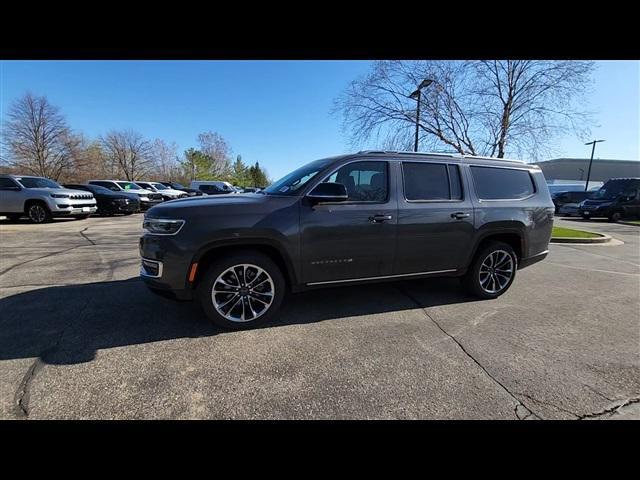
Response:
column 366, row 217
column 618, row 198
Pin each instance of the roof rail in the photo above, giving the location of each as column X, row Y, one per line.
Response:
column 400, row 152
column 494, row 159
column 447, row 155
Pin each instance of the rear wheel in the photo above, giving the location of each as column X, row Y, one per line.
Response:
column 38, row 212
column 242, row 291
column 493, row 270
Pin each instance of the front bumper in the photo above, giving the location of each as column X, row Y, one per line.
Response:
column 69, row 208
column 165, row 266
column 595, row 212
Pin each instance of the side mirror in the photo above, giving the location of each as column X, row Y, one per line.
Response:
column 328, row 192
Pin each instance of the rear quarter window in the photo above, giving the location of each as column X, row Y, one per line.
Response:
column 495, row 183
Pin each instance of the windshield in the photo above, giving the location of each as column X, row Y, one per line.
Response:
column 159, row 186
column 292, row 183
column 129, row 185
column 609, row 192
column 37, row 182
column 177, row 185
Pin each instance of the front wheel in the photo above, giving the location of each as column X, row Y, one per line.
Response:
column 38, row 213
column 615, row 217
column 493, row 271
column 242, row 291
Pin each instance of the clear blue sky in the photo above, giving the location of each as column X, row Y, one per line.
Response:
column 274, row 112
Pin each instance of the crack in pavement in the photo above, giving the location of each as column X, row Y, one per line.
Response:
column 39, row 258
column 85, row 237
column 521, row 411
column 22, row 395
column 611, row 411
column 547, row 404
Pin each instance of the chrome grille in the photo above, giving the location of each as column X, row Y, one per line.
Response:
column 81, row 196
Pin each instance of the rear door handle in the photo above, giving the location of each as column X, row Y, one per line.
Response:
column 379, row 218
column 460, row 215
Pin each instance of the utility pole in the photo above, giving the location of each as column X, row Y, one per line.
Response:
column 593, row 149
column 417, row 96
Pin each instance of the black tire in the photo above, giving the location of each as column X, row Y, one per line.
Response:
column 472, row 280
column 615, row 216
column 205, row 288
column 14, row 217
column 38, row 212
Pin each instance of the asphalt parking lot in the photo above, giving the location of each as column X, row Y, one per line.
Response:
column 82, row 338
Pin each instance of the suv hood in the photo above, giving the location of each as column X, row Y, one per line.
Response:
column 139, row 191
column 59, row 191
column 228, row 203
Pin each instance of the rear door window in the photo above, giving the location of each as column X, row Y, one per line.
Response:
column 496, row 183
column 431, row 181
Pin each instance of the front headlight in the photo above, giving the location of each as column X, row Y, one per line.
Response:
column 59, row 195
column 144, row 197
column 162, row 226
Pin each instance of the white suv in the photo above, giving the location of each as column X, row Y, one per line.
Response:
column 167, row 193
column 41, row 199
column 147, row 198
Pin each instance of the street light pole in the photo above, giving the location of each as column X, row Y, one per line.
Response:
column 417, row 95
column 593, row 149
column 415, row 145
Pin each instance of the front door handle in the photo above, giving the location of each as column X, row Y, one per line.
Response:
column 460, row 215
column 379, row 218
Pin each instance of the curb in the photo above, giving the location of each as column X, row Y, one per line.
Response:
column 628, row 223
column 601, row 238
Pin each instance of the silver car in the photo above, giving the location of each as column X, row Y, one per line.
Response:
column 41, row 199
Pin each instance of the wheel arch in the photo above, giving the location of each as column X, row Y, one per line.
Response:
column 208, row 253
column 513, row 234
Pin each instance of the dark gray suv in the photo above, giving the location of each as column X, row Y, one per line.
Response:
column 366, row 217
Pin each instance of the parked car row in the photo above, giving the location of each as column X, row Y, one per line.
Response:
column 617, row 199
column 213, row 187
column 41, row 199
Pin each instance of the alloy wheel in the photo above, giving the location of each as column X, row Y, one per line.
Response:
column 496, row 271
column 243, row 293
column 37, row 213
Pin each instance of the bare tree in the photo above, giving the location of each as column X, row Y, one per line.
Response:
column 490, row 108
column 218, row 150
column 37, row 139
column 128, row 153
column 165, row 158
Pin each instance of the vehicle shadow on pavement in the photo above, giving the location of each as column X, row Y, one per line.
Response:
column 69, row 324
